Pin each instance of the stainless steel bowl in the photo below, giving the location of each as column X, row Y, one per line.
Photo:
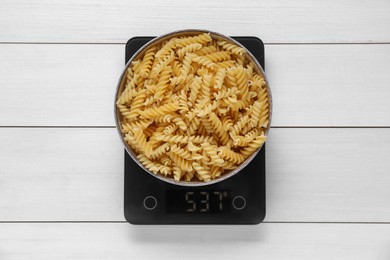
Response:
column 121, row 85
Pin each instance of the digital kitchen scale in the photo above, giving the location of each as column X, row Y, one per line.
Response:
column 239, row 199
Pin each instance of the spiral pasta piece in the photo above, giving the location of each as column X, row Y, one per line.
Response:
column 167, row 48
column 205, row 110
column 185, row 67
column 196, row 86
column 201, row 139
column 136, row 105
column 157, row 152
column 263, row 121
column 162, row 84
column 161, row 65
column 153, row 166
column 218, row 128
column 172, row 138
column 252, row 146
column 180, row 123
column 205, row 88
column 159, row 111
column 219, row 78
column 202, row 39
column 185, row 153
column 225, row 64
column 129, row 138
column 218, row 56
column 127, row 96
column 176, row 66
column 226, row 93
column 215, row 171
column 241, row 79
column 129, row 126
column 205, row 50
column 125, row 111
column 251, row 135
column 258, row 81
column 170, row 129
column 240, row 59
column 231, row 80
column 230, row 155
column 193, row 126
column 203, row 174
column 211, row 151
column 227, row 123
column 204, row 61
column 183, row 102
column 239, row 140
column 140, row 138
column 135, row 66
column 231, row 47
column 165, row 160
column 147, row 62
column 237, row 127
column 207, row 125
column 177, row 173
column 255, row 115
column 180, row 161
column 164, row 118
column 189, row 48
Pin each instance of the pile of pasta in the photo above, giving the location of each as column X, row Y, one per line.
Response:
column 193, row 108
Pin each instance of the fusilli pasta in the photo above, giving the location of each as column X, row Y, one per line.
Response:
column 193, row 108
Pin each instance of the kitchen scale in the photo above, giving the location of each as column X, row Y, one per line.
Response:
column 239, row 199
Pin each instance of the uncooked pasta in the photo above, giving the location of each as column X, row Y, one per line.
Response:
column 193, row 108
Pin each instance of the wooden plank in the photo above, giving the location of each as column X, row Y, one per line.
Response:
column 61, row 174
column 59, row 84
column 330, row 85
column 320, row 175
column 312, row 85
column 116, row 21
column 328, row 175
column 266, row 241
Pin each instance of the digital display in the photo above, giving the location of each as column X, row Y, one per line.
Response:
column 201, row 202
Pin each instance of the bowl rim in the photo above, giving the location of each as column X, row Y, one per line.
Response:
column 167, row 36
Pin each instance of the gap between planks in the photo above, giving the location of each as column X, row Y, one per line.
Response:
column 122, row 222
column 97, row 126
column 266, row 43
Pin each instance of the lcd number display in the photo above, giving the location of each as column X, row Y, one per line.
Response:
column 198, row 202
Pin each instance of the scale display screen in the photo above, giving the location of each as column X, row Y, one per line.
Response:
column 198, row 201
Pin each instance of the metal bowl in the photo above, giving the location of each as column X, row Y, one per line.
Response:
column 122, row 83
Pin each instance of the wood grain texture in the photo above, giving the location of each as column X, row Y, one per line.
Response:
column 315, row 175
column 312, row 85
column 123, row 241
column 61, row 174
column 116, row 21
column 59, row 84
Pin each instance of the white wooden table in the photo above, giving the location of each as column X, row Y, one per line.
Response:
column 328, row 155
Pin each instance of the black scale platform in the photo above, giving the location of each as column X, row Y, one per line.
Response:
column 237, row 200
